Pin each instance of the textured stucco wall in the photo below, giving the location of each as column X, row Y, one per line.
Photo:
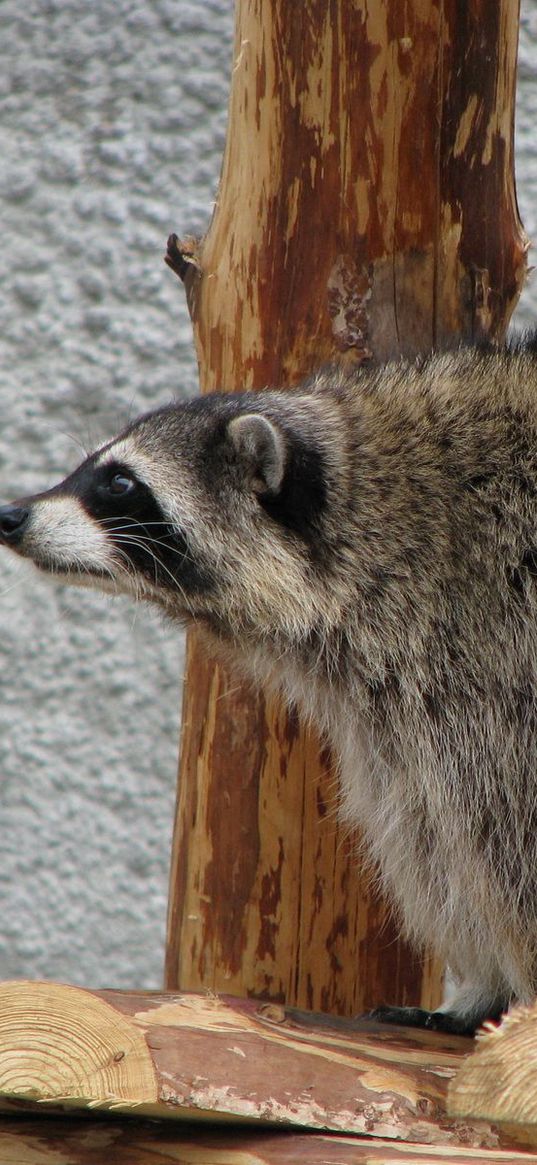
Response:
column 112, row 119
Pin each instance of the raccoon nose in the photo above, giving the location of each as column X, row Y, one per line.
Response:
column 13, row 520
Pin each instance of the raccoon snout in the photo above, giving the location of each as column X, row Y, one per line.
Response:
column 13, row 521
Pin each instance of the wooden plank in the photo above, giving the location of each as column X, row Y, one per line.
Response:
column 216, row 1058
column 52, row 1141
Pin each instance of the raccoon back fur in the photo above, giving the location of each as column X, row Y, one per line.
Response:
column 368, row 544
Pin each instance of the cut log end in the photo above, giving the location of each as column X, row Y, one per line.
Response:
column 59, row 1042
column 498, row 1081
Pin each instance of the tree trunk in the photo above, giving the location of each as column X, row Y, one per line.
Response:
column 366, row 208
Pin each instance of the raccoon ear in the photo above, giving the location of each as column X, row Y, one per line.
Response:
column 261, row 445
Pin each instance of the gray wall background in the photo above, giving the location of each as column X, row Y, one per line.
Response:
column 112, row 122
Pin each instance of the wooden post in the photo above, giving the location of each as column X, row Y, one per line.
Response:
column 366, row 207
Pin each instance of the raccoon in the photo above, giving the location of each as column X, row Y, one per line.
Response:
column 367, row 544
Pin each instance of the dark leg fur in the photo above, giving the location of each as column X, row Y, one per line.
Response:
column 439, row 1021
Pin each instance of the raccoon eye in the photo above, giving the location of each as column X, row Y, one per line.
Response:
column 121, row 484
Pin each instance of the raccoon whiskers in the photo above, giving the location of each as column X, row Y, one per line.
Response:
column 18, row 574
column 129, row 540
column 157, row 566
column 133, row 584
column 75, row 571
column 137, row 529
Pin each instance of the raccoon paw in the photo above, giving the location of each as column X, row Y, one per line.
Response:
column 438, row 1021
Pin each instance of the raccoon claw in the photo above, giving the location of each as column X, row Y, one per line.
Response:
column 438, row 1021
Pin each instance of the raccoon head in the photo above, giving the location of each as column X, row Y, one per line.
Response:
column 212, row 509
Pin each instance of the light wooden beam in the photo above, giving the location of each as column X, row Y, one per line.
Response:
column 213, row 1058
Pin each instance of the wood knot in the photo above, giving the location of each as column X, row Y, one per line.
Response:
column 272, row 1012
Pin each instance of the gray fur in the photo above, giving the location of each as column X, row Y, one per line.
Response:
column 368, row 545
